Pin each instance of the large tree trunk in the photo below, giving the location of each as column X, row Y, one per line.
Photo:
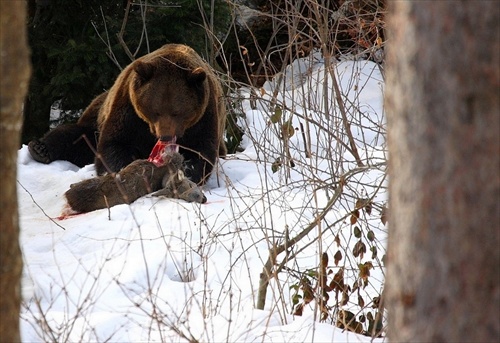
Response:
column 444, row 156
column 14, row 76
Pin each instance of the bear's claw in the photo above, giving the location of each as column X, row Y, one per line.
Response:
column 39, row 152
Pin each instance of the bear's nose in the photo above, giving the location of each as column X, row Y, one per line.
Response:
column 166, row 138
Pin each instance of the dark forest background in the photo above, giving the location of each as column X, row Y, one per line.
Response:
column 79, row 47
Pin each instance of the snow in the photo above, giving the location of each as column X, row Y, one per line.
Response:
column 163, row 270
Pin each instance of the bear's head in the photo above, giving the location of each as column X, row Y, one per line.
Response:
column 170, row 95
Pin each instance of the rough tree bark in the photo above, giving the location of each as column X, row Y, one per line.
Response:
column 444, row 151
column 14, row 76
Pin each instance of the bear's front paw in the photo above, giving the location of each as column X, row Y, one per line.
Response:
column 39, row 152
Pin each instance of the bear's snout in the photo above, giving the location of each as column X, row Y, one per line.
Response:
column 165, row 129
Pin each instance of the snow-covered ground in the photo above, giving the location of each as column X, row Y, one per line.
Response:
column 166, row 270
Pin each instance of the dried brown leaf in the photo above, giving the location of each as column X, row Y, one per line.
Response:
column 384, row 215
column 337, row 240
column 308, row 292
column 359, row 249
column 337, row 282
column 337, row 257
column 324, row 260
column 364, row 270
column 354, row 218
column 361, row 302
column 299, row 310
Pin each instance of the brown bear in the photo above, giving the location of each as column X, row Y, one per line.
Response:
column 139, row 178
column 170, row 94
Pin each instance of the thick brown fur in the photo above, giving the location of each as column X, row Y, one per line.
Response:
column 168, row 93
column 139, row 178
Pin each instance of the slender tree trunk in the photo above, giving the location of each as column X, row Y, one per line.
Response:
column 443, row 280
column 14, row 77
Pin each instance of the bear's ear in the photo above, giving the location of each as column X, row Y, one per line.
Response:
column 144, row 70
column 197, row 76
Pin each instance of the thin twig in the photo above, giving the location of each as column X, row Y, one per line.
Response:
column 36, row 203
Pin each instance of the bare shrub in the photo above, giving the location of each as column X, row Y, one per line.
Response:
column 322, row 136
